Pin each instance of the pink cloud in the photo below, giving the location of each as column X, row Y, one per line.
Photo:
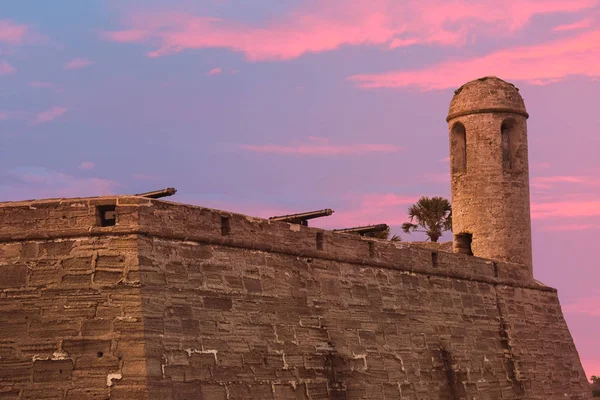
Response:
column 77, row 63
column 12, row 33
column 324, row 26
column 537, row 64
column 6, row 68
column 87, row 165
column 562, row 209
column 6, row 115
column 48, row 115
column 589, row 306
column 569, row 227
column 215, row 71
column 582, row 24
column 324, row 149
column 387, row 208
column 546, row 182
column 387, row 200
column 37, row 183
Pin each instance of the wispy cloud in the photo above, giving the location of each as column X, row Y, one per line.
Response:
column 215, row 71
column 324, row 26
column 77, row 63
column 28, row 182
column 562, row 209
column 547, row 182
column 87, row 165
column 371, row 208
column 586, row 305
column 536, row 64
column 324, row 149
column 387, row 200
column 6, row 68
column 6, row 115
column 12, row 33
column 569, row 227
column 582, row 24
column 48, row 115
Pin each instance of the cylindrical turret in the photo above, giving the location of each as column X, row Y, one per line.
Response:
column 490, row 171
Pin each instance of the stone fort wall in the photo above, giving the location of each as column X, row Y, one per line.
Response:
column 183, row 302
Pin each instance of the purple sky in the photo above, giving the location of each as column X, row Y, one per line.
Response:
column 293, row 105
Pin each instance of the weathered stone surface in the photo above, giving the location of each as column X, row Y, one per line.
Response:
column 13, row 276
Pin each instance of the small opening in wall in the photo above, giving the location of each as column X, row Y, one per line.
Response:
column 107, row 215
column 100, row 354
column 458, row 148
column 320, row 240
column 225, row 226
column 463, row 243
column 434, row 258
column 510, row 144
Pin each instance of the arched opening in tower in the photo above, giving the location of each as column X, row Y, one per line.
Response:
column 508, row 132
column 458, row 148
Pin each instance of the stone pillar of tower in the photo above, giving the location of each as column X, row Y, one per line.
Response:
column 490, row 173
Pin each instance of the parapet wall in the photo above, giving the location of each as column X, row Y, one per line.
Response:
column 181, row 302
column 63, row 218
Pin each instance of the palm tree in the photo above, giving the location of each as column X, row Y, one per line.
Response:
column 433, row 214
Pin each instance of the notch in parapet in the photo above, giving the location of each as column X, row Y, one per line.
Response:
column 320, row 240
column 106, row 215
column 434, row 259
column 225, row 225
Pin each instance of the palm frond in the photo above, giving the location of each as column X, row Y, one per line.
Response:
column 407, row 227
column 433, row 214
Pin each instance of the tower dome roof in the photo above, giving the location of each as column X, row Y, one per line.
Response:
column 487, row 94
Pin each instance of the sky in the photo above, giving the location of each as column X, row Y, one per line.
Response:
column 272, row 107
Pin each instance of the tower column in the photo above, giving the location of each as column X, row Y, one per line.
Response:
column 490, row 173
